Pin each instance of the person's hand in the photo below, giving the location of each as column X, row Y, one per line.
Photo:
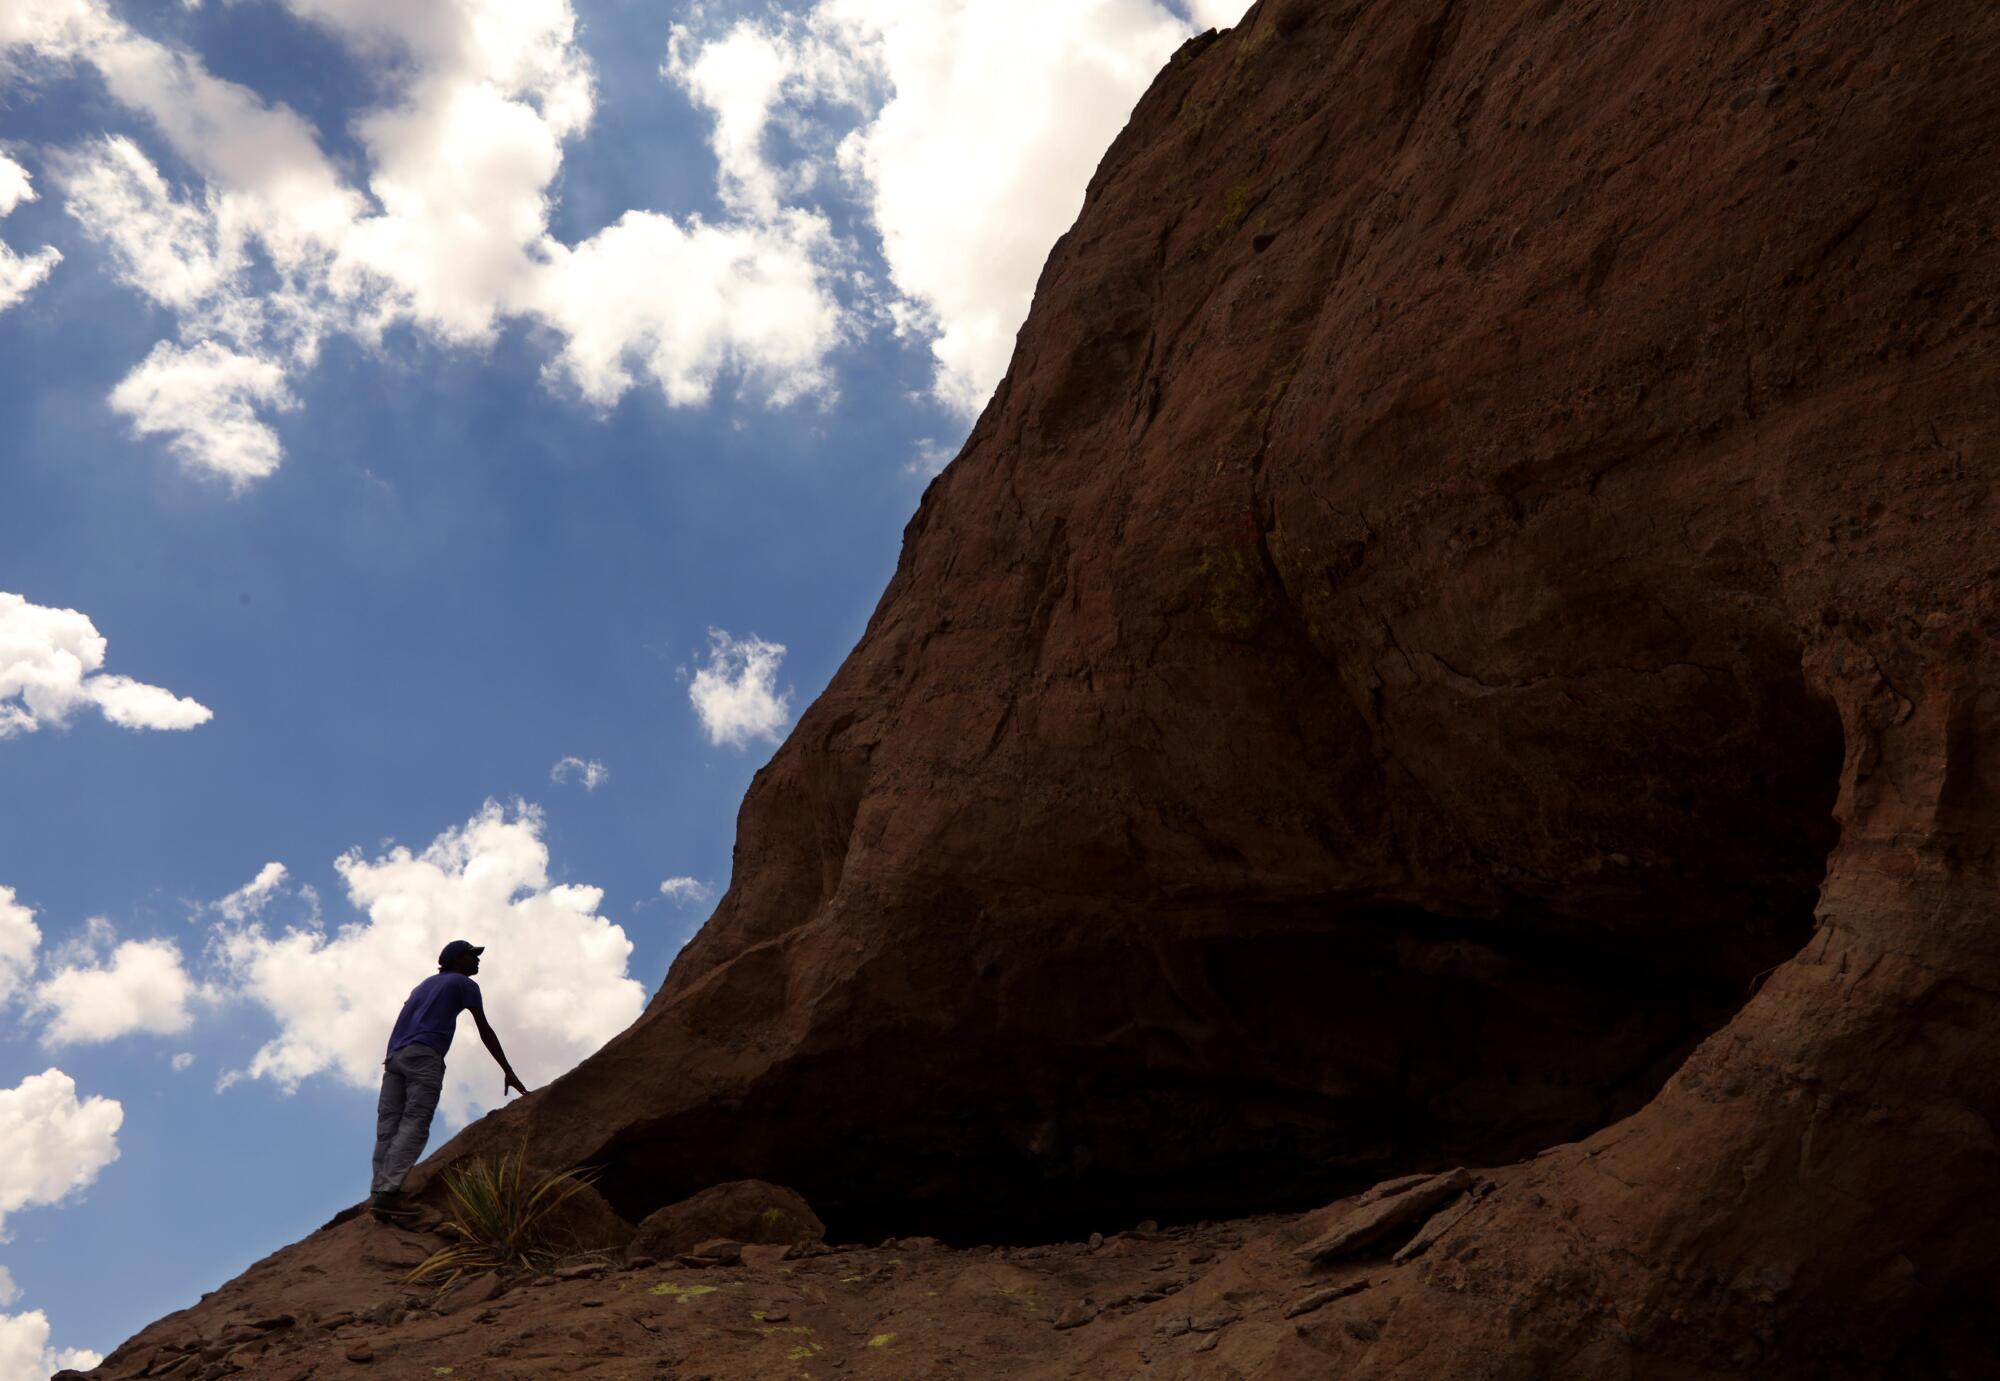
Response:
column 513, row 1083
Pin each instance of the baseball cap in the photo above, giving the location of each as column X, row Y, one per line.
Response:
column 457, row 948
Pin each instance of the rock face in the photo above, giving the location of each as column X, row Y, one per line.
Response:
column 1470, row 624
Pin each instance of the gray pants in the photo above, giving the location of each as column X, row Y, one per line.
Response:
column 412, row 1078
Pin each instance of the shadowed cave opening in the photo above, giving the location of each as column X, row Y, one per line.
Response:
column 1256, row 1053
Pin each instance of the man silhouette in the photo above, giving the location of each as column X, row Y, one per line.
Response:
column 413, row 1072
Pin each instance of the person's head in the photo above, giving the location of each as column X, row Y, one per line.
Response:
column 460, row 956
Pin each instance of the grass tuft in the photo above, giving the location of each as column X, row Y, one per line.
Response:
column 504, row 1220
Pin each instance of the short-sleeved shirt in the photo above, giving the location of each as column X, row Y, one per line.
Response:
column 430, row 1013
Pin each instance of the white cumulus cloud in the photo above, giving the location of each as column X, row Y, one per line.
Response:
column 20, row 273
column 52, row 1143
column 253, row 896
column 15, row 185
column 592, row 773
column 205, row 398
column 981, row 123
column 966, row 129
column 142, row 986
column 167, row 247
column 184, row 1060
column 20, row 940
column 686, row 891
column 25, row 1354
column 1217, row 14
column 445, row 226
column 554, row 977
column 684, row 304
column 735, row 692
column 50, row 661
column 134, row 705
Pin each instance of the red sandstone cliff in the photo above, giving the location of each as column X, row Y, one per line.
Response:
column 1469, row 625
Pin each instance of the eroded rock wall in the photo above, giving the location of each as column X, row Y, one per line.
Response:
column 1353, row 703
column 1482, row 567
column 1488, row 495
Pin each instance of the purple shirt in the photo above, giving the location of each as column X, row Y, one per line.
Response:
column 430, row 1013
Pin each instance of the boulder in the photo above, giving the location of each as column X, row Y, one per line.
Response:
column 741, row 1211
column 1076, row 1315
column 469, row 1294
column 586, row 1222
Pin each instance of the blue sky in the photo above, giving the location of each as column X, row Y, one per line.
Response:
column 413, row 415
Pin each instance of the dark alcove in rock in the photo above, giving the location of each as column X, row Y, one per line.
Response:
column 1207, row 1057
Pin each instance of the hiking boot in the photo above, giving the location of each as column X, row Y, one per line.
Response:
column 389, row 1206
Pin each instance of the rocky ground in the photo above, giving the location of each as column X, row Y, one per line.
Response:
column 1225, row 1299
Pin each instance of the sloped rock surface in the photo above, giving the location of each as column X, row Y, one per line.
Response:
column 1471, row 625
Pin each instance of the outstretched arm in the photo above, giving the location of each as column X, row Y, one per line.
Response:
column 499, row 1055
